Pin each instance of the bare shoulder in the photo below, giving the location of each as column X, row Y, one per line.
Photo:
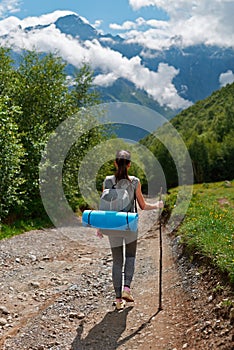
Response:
column 110, row 177
column 134, row 178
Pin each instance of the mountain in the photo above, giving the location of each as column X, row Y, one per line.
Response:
column 199, row 66
column 166, row 80
column 73, row 25
column 124, row 91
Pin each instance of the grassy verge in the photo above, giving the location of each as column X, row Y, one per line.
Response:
column 208, row 228
column 21, row 226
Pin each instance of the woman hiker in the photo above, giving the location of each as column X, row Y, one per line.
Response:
column 125, row 257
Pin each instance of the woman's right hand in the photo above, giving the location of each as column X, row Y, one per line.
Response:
column 160, row 204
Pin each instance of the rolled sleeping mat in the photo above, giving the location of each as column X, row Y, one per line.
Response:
column 110, row 220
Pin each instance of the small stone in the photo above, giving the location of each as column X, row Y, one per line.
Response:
column 68, row 268
column 188, row 330
column 231, row 315
column 227, row 183
column 46, row 257
column 3, row 321
column 22, row 296
column 210, row 298
column 185, row 346
column 18, row 260
column 74, row 287
column 32, row 257
column 35, row 284
column 80, row 316
column 4, row 310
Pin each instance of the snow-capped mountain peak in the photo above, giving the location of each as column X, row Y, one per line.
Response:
column 171, row 78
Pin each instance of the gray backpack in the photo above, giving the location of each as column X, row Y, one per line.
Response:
column 119, row 196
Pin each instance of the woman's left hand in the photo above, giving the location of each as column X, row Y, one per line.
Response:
column 99, row 234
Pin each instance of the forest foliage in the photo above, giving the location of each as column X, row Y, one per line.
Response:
column 35, row 98
column 207, row 129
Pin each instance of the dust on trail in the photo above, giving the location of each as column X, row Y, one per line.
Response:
column 56, row 293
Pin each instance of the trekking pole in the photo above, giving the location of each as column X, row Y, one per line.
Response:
column 160, row 256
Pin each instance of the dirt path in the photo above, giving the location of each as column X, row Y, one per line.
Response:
column 56, row 293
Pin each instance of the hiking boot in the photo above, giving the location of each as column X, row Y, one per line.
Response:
column 127, row 296
column 120, row 305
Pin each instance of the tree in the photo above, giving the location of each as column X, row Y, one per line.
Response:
column 42, row 94
column 198, row 152
column 12, row 154
column 228, row 152
column 83, row 93
column 39, row 90
column 8, row 76
column 166, row 161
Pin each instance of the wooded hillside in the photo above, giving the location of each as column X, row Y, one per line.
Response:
column 207, row 129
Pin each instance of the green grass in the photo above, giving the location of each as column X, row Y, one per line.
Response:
column 208, row 228
column 21, row 226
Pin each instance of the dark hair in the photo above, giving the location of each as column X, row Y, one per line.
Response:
column 123, row 159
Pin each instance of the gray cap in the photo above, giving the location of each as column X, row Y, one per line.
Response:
column 123, row 155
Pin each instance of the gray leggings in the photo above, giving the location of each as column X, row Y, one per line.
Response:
column 123, row 262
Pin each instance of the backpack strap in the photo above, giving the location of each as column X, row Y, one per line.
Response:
column 110, row 182
column 89, row 223
column 135, row 203
column 128, row 227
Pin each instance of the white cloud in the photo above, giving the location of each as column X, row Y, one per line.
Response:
column 127, row 25
column 154, row 39
column 226, row 78
column 45, row 19
column 137, row 4
column 208, row 22
column 9, row 6
column 157, row 24
column 105, row 79
column 151, row 34
column 140, row 22
column 112, row 64
column 9, row 24
column 106, row 40
column 97, row 23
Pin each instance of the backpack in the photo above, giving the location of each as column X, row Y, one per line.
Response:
column 119, row 196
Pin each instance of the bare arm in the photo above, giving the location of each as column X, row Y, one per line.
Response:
column 143, row 204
